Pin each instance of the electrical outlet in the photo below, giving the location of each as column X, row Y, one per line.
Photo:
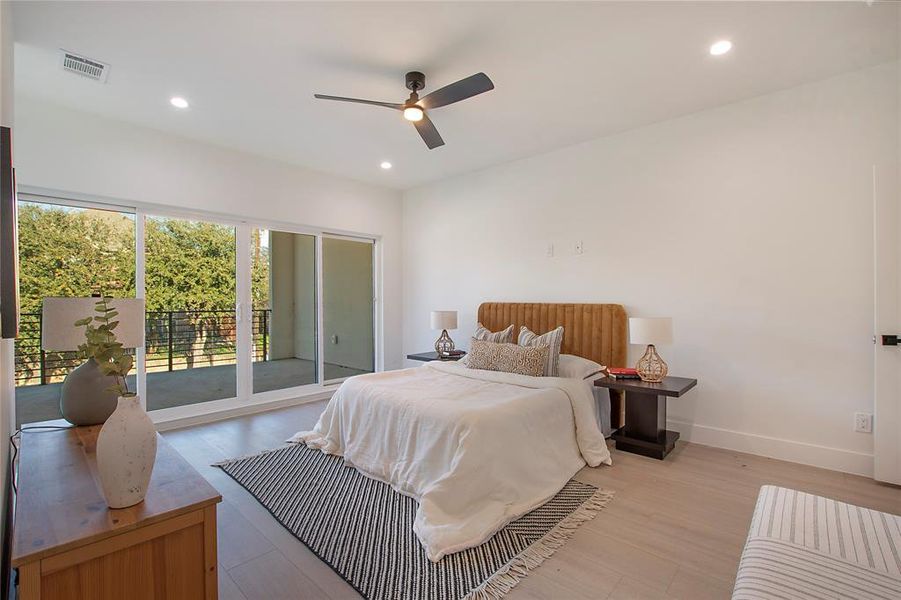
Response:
column 578, row 247
column 550, row 250
column 863, row 422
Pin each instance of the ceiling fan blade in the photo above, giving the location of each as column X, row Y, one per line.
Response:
column 428, row 132
column 358, row 101
column 461, row 90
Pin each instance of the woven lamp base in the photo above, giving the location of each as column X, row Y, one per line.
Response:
column 651, row 367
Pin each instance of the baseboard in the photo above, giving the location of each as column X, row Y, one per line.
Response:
column 230, row 409
column 835, row 459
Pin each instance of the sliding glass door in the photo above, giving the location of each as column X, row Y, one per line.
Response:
column 234, row 312
column 347, row 307
column 190, row 295
column 283, row 291
column 64, row 251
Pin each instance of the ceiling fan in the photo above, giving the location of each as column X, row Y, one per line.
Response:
column 415, row 109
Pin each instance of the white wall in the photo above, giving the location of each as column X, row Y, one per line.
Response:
column 750, row 224
column 77, row 152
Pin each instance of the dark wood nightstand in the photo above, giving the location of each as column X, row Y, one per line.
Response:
column 645, row 430
column 427, row 356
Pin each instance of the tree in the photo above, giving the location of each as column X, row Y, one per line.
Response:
column 189, row 269
column 190, row 265
column 73, row 252
column 259, row 268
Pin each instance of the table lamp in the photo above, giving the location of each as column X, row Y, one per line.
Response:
column 444, row 320
column 651, row 331
column 84, row 397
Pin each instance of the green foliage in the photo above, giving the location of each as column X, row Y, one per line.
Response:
column 101, row 344
column 259, row 271
column 190, row 265
column 66, row 252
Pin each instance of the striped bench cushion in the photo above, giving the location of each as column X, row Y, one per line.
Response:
column 803, row 546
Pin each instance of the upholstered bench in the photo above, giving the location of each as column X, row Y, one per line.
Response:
column 803, row 546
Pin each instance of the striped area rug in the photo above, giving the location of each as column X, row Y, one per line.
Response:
column 363, row 529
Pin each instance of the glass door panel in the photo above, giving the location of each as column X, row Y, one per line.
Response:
column 283, row 288
column 64, row 251
column 190, row 320
column 347, row 298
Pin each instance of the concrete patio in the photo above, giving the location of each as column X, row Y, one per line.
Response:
column 189, row 386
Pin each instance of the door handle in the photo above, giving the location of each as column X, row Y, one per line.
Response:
column 890, row 340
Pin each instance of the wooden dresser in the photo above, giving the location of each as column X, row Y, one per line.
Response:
column 68, row 544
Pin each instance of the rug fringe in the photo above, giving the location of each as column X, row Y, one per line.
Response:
column 505, row 579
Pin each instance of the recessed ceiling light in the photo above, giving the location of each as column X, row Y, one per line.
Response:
column 385, row 165
column 178, row 102
column 720, row 47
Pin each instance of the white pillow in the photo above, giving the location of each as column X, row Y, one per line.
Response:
column 577, row 367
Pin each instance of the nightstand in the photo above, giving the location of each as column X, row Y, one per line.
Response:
column 427, row 356
column 645, row 430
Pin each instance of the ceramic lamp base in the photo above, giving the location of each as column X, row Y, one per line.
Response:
column 651, row 367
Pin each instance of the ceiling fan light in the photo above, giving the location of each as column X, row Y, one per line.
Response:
column 413, row 113
column 721, row 47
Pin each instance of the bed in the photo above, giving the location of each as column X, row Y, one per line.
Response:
column 477, row 449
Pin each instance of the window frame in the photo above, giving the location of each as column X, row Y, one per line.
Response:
column 245, row 401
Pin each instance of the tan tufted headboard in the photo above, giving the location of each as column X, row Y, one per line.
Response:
column 593, row 331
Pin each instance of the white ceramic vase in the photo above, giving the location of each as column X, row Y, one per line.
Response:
column 126, row 451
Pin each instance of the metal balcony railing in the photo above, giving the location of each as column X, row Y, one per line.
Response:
column 175, row 340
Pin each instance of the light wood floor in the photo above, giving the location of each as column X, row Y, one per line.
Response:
column 674, row 530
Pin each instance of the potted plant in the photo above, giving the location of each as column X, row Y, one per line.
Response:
column 126, row 445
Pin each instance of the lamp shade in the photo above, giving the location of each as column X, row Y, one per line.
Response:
column 59, row 333
column 444, row 319
column 657, row 330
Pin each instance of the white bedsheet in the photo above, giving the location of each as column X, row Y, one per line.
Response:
column 477, row 449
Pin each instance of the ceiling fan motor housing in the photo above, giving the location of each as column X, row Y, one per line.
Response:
column 415, row 81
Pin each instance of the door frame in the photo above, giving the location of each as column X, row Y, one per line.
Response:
column 887, row 320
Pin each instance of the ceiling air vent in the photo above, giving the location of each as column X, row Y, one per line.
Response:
column 86, row 67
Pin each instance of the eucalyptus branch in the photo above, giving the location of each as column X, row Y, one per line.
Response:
column 102, row 346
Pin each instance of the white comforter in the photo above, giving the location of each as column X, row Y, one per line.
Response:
column 477, row 449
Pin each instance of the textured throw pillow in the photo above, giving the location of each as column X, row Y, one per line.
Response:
column 508, row 358
column 552, row 339
column 577, row 367
column 500, row 337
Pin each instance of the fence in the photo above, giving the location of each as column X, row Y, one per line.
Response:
column 175, row 340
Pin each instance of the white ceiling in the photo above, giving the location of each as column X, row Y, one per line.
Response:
column 564, row 73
